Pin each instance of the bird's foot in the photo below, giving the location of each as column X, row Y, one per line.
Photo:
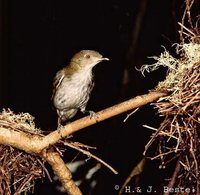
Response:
column 59, row 127
column 93, row 115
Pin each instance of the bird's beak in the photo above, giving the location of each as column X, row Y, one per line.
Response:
column 105, row 59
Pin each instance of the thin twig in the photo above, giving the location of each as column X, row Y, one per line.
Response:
column 128, row 115
column 173, row 179
column 71, row 145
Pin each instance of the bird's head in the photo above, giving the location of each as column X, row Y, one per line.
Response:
column 86, row 59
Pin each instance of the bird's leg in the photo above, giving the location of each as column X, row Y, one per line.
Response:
column 59, row 125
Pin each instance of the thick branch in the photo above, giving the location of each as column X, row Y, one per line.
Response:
column 61, row 170
column 21, row 140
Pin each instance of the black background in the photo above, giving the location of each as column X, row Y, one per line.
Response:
column 39, row 37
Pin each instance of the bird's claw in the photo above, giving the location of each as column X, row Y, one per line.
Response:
column 93, row 115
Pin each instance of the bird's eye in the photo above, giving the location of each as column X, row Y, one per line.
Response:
column 87, row 56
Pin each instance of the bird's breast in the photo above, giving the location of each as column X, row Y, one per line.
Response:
column 74, row 91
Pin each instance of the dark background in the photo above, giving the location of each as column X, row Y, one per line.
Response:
column 39, row 37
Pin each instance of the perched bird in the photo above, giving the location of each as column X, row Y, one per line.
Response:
column 73, row 84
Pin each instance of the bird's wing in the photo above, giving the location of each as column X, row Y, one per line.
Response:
column 57, row 81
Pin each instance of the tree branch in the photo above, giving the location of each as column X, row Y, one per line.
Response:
column 62, row 171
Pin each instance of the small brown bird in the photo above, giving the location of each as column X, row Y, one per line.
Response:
column 73, row 84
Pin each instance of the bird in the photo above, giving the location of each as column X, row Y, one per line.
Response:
column 72, row 85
